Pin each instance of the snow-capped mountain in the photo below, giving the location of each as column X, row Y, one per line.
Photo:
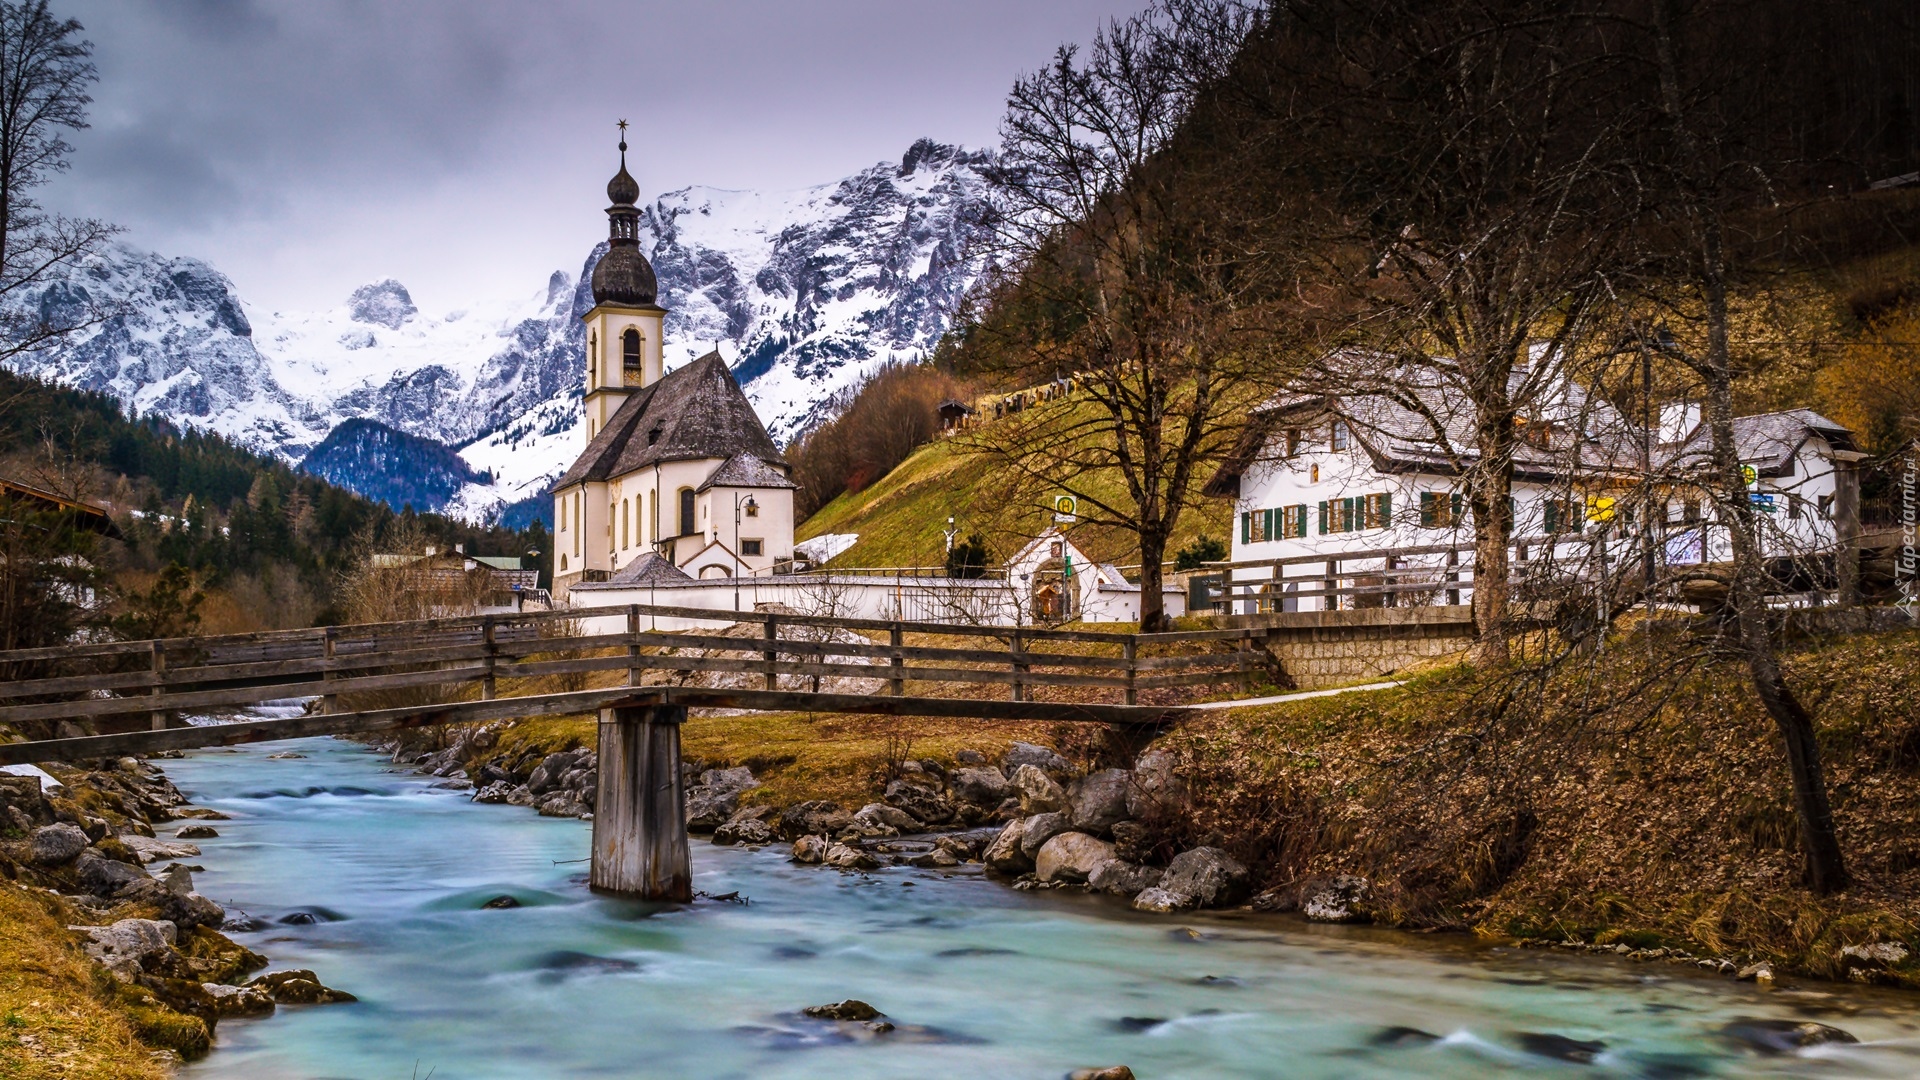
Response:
column 804, row 291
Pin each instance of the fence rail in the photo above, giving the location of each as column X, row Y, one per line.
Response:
column 160, row 679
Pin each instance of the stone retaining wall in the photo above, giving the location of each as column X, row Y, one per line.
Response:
column 1319, row 649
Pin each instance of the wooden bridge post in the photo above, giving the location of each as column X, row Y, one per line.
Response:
column 1131, row 652
column 157, row 720
column 899, row 683
column 329, row 638
column 1014, row 657
column 634, row 673
column 771, row 656
column 639, row 813
column 488, row 638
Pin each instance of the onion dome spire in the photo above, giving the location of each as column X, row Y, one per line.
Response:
column 623, row 275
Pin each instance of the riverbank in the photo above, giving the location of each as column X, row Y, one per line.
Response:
column 1609, row 808
column 108, row 968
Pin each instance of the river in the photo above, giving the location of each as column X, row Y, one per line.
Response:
column 377, row 881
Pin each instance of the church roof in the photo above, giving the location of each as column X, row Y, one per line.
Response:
column 748, row 471
column 690, row 413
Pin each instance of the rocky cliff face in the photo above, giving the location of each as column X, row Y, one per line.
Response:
column 804, row 291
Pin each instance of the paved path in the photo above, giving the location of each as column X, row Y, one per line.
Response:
column 1243, row 703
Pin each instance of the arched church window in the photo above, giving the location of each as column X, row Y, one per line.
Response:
column 630, row 354
column 626, row 518
column 686, row 511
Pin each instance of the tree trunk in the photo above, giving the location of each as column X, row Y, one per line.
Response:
column 1491, row 497
column 1825, row 869
column 1153, row 608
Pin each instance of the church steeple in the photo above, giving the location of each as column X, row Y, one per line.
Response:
column 623, row 275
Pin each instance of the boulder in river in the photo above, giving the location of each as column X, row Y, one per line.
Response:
column 814, row 817
column 751, row 832
column 981, row 786
column 851, row 1009
column 1005, row 855
column 299, row 987
column 230, row 1001
column 1037, row 791
column 1162, row 901
column 58, row 844
column 124, row 947
column 1041, row 828
column 1098, row 800
column 1110, row 1072
column 1341, row 900
column 1123, row 878
column 874, row 815
column 198, row 832
column 844, row 857
column 1207, row 875
column 1071, row 857
column 810, row 849
column 1782, row 1036
column 1040, row 757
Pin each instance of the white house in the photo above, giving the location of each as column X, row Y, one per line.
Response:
column 676, row 464
column 1313, row 477
column 1060, row 584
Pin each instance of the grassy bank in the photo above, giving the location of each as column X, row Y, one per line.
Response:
column 59, row 1013
column 1618, row 801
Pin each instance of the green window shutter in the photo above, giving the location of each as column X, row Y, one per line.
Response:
column 1300, row 520
column 1550, row 515
column 1246, row 528
column 1386, row 509
column 1266, row 525
column 1457, row 500
column 1323, row 518
column 1427, row 510
column 1349, row 511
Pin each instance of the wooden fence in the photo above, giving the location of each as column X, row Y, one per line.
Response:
column 158, row 680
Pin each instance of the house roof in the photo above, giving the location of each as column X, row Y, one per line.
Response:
column 748, row 471
column 87, row 515
column 1767, row 441
column 1421, row 425
column 649, row 569
column 690, row 413
column 497, row 562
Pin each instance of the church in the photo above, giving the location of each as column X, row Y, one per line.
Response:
column 679, row 480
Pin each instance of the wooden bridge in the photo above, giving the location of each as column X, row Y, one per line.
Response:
column 458, row 670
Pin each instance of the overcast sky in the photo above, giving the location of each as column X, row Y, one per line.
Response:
column 304, row 148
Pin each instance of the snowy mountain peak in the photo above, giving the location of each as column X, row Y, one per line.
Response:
column 809, row 289
column 383, row 303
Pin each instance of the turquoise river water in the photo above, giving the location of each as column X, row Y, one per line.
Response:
column 983, row 981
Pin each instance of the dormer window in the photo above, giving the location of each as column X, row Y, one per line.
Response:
column 653, row 436
column 1341, row 437
column 630, row 355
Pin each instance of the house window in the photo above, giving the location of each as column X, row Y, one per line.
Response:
column 1690, row 512
column 750, row 547
column 1441, row 509
column 563, row 560
column 1378, row 511
column 1341, row 437
column 1313, row 476
column 626, row 522
column 1339, row 515
column 686, row 511
column 1559, row 515
column 1796, row 506
column 579, row 532
column 563, row 513
column 1826, row 507
column 1293, row 521
column 630, row 355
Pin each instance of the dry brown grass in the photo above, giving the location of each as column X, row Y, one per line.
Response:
column 1653, row 811
column 53, row 1024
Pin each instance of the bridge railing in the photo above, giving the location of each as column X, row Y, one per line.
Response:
column 157, row 680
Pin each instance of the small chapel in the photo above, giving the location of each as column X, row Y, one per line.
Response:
column 679, row 479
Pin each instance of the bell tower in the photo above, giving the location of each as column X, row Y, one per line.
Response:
column 624, row 327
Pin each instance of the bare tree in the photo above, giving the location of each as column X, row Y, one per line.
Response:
column 45, row 70
column 1130, row 283
column 1464, row 163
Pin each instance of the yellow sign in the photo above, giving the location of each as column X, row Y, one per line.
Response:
column 1749, row 475
column 1600, row 507
column 1065, row 507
